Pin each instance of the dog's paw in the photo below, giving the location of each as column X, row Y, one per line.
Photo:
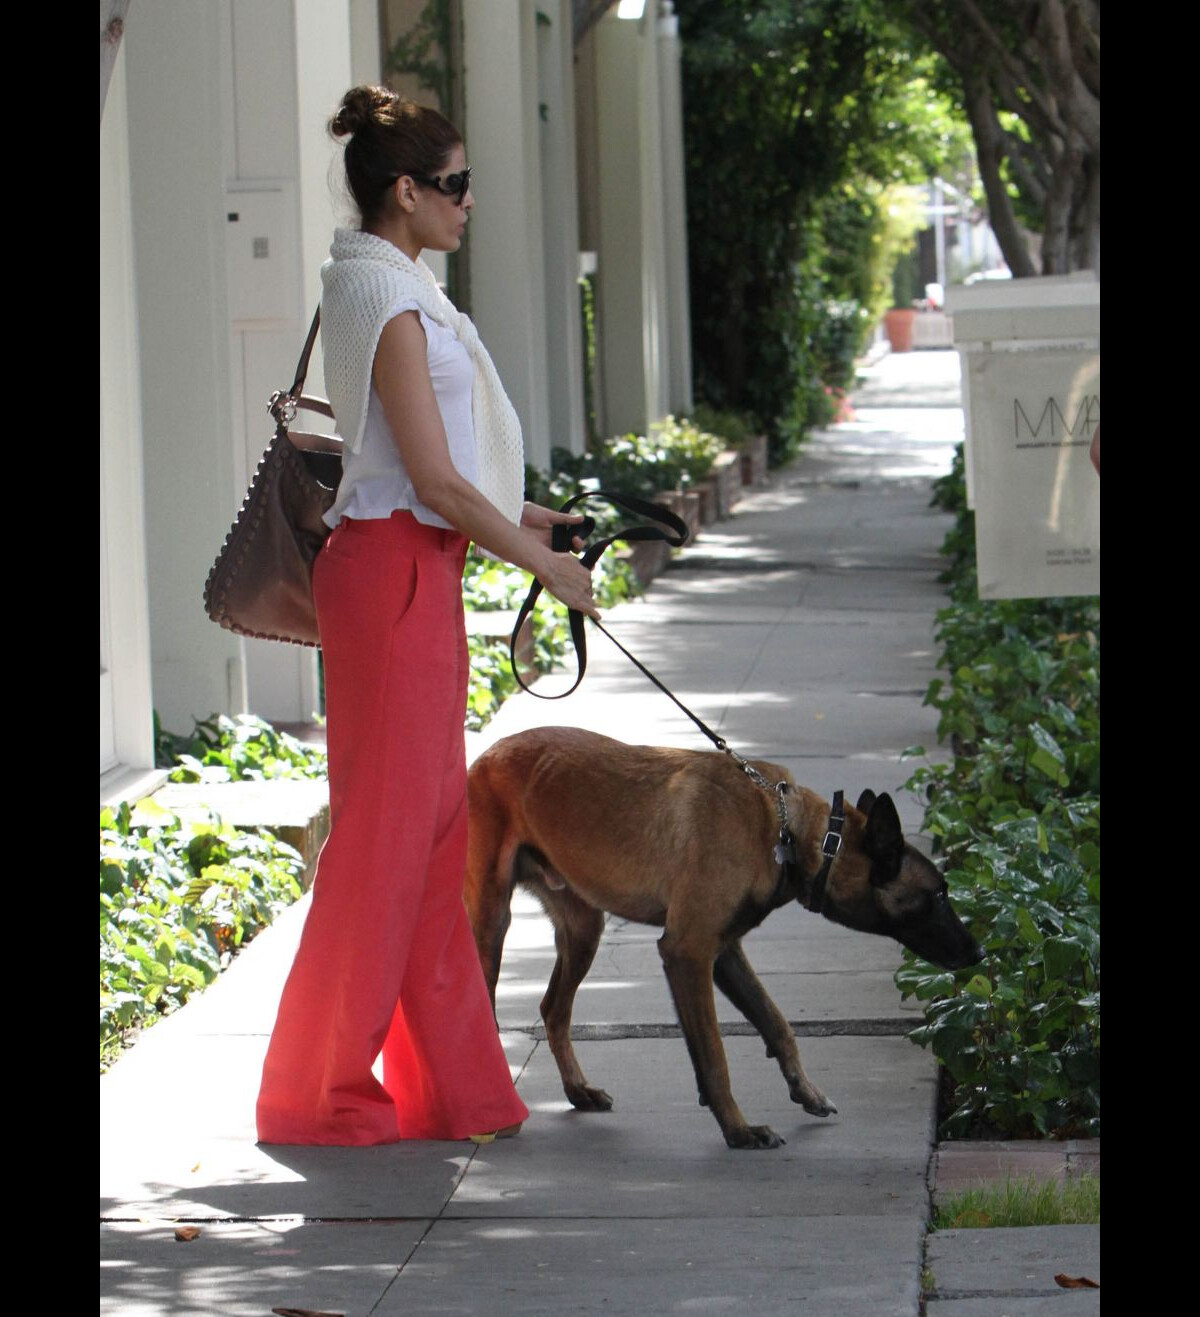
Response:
column 583, row 1097
column 754, row 1136
column 812, row 1100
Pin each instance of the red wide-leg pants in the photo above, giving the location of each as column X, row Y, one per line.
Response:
column 387, row 961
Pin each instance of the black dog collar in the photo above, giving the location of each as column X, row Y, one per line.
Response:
column 785, row 857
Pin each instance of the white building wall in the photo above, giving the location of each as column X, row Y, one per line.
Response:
column 127, row 734
column 560, row 221
column 674, row 212
column 508, row 272
column 635, row 224
column 177, row 177
column 227, row 110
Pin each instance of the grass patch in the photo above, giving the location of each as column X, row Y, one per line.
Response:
column 1027, row 1202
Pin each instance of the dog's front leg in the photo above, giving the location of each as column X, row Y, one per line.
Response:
column 733, row 975
column 689, row 974
column 577, row 931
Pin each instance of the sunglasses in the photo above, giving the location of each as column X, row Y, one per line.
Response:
column 453, row 185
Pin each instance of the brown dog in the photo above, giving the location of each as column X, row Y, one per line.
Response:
column 684, row 840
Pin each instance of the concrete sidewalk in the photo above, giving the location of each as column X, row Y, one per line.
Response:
column 801, row 630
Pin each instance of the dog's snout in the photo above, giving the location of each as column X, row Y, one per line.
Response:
column 972, row 957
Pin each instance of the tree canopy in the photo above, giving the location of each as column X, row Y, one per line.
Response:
column 797, row 116
column 1028, row 72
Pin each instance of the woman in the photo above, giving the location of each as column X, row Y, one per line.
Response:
column 433, row 459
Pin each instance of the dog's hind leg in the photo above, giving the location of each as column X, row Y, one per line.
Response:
column 689, row 972
column 487, row 895
column 733, row 975
column 577, row 930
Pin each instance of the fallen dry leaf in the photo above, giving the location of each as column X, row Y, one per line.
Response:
column 185, row 1234
column 1076, row 1282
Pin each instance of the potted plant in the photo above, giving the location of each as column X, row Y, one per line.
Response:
column 899, row 324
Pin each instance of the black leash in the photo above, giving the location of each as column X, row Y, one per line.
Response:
column 561, row 539
column 671, row 528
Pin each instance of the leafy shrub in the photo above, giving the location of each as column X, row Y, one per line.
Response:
column 733, row 428
column 224, row 749
column 1017, row 814
column 177, row 898
column 674, row 455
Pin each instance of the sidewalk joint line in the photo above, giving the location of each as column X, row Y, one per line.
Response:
column 879, row 1027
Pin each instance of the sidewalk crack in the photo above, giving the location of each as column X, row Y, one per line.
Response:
column 475, row 1149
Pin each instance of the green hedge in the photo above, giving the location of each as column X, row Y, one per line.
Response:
column 177, row 898
column 1016, row 813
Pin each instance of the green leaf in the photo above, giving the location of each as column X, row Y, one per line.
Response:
column 1046, row 763
column 1045, row 741
column 148, row 813
column 1028, row 930
column 1061, row 955
column 979, row 986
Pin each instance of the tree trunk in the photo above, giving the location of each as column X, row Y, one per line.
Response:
column 988, row 137
column 1087, row 241
column 112, row 28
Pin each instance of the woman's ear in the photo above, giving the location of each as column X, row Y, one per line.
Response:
column 405, row 192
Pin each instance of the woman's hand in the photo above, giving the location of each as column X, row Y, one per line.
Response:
column 542, row 520
column 569, row 581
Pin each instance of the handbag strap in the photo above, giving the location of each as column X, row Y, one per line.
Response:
column 671, row 528
column 284, row 406
column 302, row 365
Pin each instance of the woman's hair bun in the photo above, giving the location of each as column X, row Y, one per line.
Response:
column 388, row 136
column 361, row 106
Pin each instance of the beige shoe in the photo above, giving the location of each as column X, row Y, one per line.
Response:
column 508, row 1132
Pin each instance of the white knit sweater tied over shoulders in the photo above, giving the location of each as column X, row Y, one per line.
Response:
column 363, row 281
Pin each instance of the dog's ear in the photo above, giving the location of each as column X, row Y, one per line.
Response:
column 883, row 840
column 866, row 800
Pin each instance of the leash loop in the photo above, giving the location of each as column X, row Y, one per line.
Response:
column 671, row 528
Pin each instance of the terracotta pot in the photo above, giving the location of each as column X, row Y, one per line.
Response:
column 899, row 324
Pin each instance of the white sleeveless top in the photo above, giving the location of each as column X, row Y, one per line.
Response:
column 374, row 481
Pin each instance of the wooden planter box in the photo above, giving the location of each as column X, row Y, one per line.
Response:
column 707, row 490
column 727, row 473
column 647, row 558
column 685, row 504
column 754, row 461
column 650, row 557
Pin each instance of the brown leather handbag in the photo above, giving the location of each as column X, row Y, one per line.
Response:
column 261, row 582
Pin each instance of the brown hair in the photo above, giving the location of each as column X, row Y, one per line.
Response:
column 389, row 136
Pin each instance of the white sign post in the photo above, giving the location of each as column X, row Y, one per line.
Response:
column 1030, row 351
